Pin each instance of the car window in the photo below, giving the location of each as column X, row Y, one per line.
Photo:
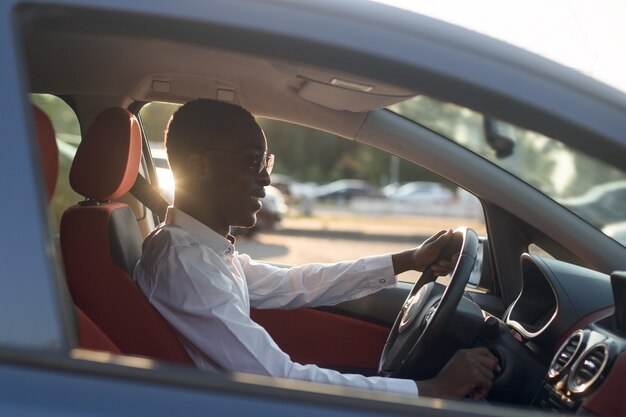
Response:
column 67, row 131
column 334, row 199
column 590, row 188
column 154, row 117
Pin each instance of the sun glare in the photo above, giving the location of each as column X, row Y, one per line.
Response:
column 587, row 36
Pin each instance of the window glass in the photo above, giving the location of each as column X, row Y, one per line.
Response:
column 154, row 117
column 334, row 199
column 67, row 131
column 588, row 187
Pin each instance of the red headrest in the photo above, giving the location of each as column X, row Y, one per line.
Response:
column 48, row 149
column 107, row 160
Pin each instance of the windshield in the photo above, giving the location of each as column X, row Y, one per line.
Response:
column 590, row 188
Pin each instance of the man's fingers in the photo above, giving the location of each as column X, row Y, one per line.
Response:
column 486, row 358
column 482, row 382
column 445, row 237
column 469, row 373
column 443, row 240
column 485, row 372
column 481, row 365
column 445, row 266
column 436, row 236
column 480, row 392
column 448, row 263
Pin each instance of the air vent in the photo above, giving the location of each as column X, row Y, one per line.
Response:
column 566, row 354
column 588, row 368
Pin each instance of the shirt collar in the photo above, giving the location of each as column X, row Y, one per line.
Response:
column 200, row 231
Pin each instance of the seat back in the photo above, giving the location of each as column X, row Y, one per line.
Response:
column 101, row 241
column 89, row 335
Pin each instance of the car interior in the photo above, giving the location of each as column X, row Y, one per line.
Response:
column 547, row 301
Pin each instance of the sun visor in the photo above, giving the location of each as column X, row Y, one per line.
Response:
column 347, row 95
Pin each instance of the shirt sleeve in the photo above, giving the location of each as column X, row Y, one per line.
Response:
column 204, row 305
column 316, row 284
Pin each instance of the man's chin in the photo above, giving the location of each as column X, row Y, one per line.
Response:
column 247, row 223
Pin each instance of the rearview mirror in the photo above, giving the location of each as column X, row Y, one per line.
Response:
column 499, row 137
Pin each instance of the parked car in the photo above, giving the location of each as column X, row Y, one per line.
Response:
column 389, row 189
column 346, row 190
column 601, row 205
column 548, row 299
column 422, row 192
column 283, row 183
column 273, row 210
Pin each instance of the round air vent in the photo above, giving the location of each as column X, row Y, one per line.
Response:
column 588, row 368
column 566, row 354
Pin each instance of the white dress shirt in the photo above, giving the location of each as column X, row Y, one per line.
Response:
column 204, row 289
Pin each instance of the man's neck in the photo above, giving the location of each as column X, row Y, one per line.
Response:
column 204, row 215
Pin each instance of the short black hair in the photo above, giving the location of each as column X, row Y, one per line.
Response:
column 200, row 124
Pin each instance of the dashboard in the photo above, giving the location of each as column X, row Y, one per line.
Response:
column 587, row 372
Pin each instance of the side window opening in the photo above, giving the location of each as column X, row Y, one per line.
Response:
column 154, row 118
column 67, row 131
column 331, row 192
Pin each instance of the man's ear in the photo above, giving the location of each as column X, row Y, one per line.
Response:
column 197, row 165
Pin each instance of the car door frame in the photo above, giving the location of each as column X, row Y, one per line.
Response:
column 34, row 298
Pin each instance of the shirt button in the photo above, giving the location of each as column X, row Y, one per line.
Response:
column 382, row 281
column 228, row 250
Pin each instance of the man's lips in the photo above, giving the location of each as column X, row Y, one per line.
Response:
column 258, row 194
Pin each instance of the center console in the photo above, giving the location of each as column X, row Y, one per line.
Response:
column 585, row 360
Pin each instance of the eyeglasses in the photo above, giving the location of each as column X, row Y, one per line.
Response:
column 258, row 162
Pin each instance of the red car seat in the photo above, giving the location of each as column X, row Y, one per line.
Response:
column 101, row 241
column 89, row 335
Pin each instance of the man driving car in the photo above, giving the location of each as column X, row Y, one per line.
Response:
column 191, row 272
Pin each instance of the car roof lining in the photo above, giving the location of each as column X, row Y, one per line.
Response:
column 147, row 69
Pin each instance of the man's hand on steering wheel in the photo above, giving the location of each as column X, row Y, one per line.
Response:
column 425, row 255
column 469, row 373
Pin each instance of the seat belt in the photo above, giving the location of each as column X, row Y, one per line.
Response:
column 149, row 196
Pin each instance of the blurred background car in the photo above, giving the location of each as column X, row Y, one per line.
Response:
column 422, row 192
column 601, row 205
column 345, row 190
column 284, row 184
column 389, row 189
column 273, row 210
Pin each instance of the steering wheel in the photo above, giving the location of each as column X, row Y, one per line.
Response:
column 426, row 312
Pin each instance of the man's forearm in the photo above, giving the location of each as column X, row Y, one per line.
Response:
column 402, row 262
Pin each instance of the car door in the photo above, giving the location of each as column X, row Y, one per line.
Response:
column 37, row 329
